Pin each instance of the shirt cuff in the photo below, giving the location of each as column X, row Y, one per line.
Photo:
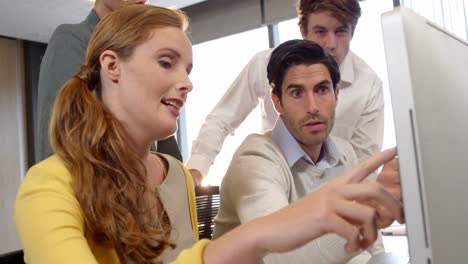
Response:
column 193, row 255
column 200, row 163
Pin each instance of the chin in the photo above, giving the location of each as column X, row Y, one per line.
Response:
column 167, row 132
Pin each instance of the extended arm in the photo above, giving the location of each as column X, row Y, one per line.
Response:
column 236, row 104
column 257, row 186
column 335, row 208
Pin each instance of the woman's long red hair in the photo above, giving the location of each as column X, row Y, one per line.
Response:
column 109, row 180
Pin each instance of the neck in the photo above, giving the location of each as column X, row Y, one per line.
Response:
column 138, row 146
column 314, row 152
column 101, row 10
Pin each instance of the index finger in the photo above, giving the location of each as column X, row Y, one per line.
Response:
column 392, row 164
column 366, row 167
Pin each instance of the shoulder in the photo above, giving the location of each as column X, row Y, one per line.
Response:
column 263, row 55
column 361, row 68
column 70, row 34
column 261, row 58
column 257, row 164
column 66, row 49
column 46, row 193
column 258, row 157
column 346, row 150
column 50, row 169
column 175, row 168
column 259, row 145
column 50, row 175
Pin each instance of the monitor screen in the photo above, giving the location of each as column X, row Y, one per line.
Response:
column 428, row 78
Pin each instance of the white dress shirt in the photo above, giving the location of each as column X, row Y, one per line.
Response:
column 359, row 114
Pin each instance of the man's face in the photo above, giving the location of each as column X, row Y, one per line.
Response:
column 112, row 5
column 330, row 33
column 307, row 106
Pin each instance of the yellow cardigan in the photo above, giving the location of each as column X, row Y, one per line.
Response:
column 50, row 225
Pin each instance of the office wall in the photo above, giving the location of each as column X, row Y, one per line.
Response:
column 12, row 137
column 33, row 53
column 215, row 19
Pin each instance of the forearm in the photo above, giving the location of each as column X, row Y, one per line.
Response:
column 241, row 245
column 236, row 104
column 326, row 249
column 222, row 121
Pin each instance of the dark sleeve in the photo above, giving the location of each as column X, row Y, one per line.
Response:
column 169, row 146
column 62, row 59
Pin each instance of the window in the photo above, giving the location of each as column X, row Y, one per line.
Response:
column 216, row 64
column 451, row 15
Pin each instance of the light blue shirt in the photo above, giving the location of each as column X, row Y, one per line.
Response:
column 293, row 152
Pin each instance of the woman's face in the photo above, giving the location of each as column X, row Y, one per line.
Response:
column 151, row 86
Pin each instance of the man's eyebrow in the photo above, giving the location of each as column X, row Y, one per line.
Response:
column 318, row 27
column 322, row 83
column 295, row 86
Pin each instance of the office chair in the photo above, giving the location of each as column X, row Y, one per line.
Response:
column 207, row 200
column 14, row 257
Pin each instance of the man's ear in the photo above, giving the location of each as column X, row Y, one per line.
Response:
column 303, row 32
column 110, row 65
column 277, row 103
column 337, row 92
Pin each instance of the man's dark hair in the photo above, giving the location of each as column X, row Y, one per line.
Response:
column 298, row 52
column 346, row 11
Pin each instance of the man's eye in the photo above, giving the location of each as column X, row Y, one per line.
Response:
column 342, row 31
column 296, row 93
column 323, row 90
column 320, row 32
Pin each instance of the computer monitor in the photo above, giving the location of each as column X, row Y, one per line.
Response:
column 428, row 76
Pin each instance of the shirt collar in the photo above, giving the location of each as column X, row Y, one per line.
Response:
column 346, row 71
column 92, row 19
column 293, row 152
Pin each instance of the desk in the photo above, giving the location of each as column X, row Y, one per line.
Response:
column 396, row 245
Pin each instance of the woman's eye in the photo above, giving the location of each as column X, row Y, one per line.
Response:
column 166, row 64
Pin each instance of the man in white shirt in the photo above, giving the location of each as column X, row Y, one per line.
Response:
column 271, row 171
column 359, row 116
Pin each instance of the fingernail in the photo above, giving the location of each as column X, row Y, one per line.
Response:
column 348, row 249
column 364, row 243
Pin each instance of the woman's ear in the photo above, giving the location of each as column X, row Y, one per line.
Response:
column 110, row 65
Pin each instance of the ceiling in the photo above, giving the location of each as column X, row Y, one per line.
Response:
column 36, row 19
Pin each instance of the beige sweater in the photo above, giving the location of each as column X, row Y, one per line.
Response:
column 259, row 182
